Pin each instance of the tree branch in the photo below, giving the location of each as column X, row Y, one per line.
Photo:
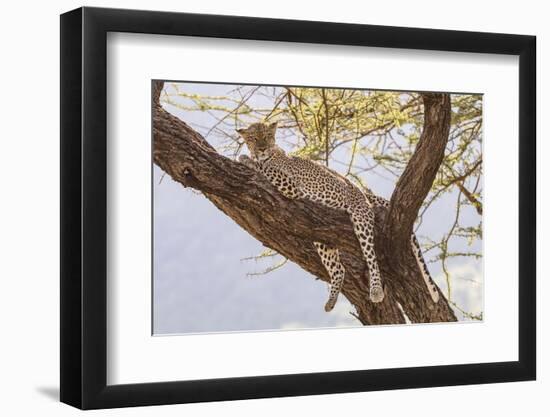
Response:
column 291, row 226
column 416, row 181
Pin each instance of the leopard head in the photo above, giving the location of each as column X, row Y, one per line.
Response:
column 260, row 139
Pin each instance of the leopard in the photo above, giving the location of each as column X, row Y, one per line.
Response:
column 300, row 178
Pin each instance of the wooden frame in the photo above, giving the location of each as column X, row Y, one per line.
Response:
column 84, row 197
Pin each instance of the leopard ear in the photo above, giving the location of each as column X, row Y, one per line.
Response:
column 240, row 131
column 273, row 126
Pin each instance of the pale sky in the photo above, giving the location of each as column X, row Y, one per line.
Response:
column 201, row 282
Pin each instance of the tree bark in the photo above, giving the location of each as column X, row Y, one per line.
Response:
column 416, row 181
column 291, row 226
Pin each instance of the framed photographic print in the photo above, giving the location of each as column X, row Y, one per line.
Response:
column 256, row 208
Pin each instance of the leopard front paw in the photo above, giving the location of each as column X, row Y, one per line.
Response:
column 330, row 304
column 246, row 160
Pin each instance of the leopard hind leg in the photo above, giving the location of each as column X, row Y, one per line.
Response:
column 362, row 218
column 331, row 261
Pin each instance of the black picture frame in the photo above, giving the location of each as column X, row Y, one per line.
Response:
column 84, row 207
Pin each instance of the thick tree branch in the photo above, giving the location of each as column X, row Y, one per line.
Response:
column 416, row 181
column 291, row 226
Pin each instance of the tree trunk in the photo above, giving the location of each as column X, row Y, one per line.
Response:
column 290, row 226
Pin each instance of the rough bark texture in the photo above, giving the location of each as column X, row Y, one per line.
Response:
column 290, row 226
column 414, row 184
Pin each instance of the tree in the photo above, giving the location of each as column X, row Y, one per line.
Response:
column 365, row 134
column 289, row 226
